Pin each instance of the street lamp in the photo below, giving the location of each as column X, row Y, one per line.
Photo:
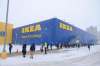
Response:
column 4, row 48
column 4, row 53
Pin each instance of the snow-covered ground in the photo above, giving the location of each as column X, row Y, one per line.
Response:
column 53, row 59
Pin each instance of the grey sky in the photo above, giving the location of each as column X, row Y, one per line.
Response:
column 81, row 13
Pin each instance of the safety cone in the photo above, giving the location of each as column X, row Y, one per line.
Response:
column 17, row 51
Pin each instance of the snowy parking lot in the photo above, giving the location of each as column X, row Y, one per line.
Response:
column 69, row 56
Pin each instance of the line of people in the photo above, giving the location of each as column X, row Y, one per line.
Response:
column 44, row 48
column 32, row 50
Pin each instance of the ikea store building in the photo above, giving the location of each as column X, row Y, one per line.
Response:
column 52, row 31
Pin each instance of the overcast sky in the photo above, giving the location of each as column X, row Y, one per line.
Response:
column 81, row 13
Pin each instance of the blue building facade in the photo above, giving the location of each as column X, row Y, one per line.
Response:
column 51, row 31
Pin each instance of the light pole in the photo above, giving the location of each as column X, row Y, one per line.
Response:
column 4, row 53
column 5, row 37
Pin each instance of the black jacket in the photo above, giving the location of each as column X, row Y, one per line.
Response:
column 32, row 48
column 24, row 48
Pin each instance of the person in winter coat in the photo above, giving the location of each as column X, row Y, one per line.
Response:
column 45, row 47
column 51, row 46
column 89, row 47
column 10, row 47
column 32, row 50
column 41, row 48
column 24, row 50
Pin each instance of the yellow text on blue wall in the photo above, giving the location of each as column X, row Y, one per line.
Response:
column 31, row 28
column 65, row 27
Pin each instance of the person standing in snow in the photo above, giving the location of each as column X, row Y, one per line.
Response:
column 41, row 48
column 10, row 47
column 78, row 45
column 45, row 47
column 51, row 45
column 24, row 50
column 89, row 47
column 32, row 50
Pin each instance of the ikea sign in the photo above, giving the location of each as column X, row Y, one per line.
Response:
column 65, row 27
column 31, row 28
column 2, row 33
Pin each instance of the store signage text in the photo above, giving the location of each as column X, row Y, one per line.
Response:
column 31, row 28
column 65, row 27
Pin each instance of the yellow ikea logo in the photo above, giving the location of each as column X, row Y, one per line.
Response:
column 65, row 27
column 32, row 28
